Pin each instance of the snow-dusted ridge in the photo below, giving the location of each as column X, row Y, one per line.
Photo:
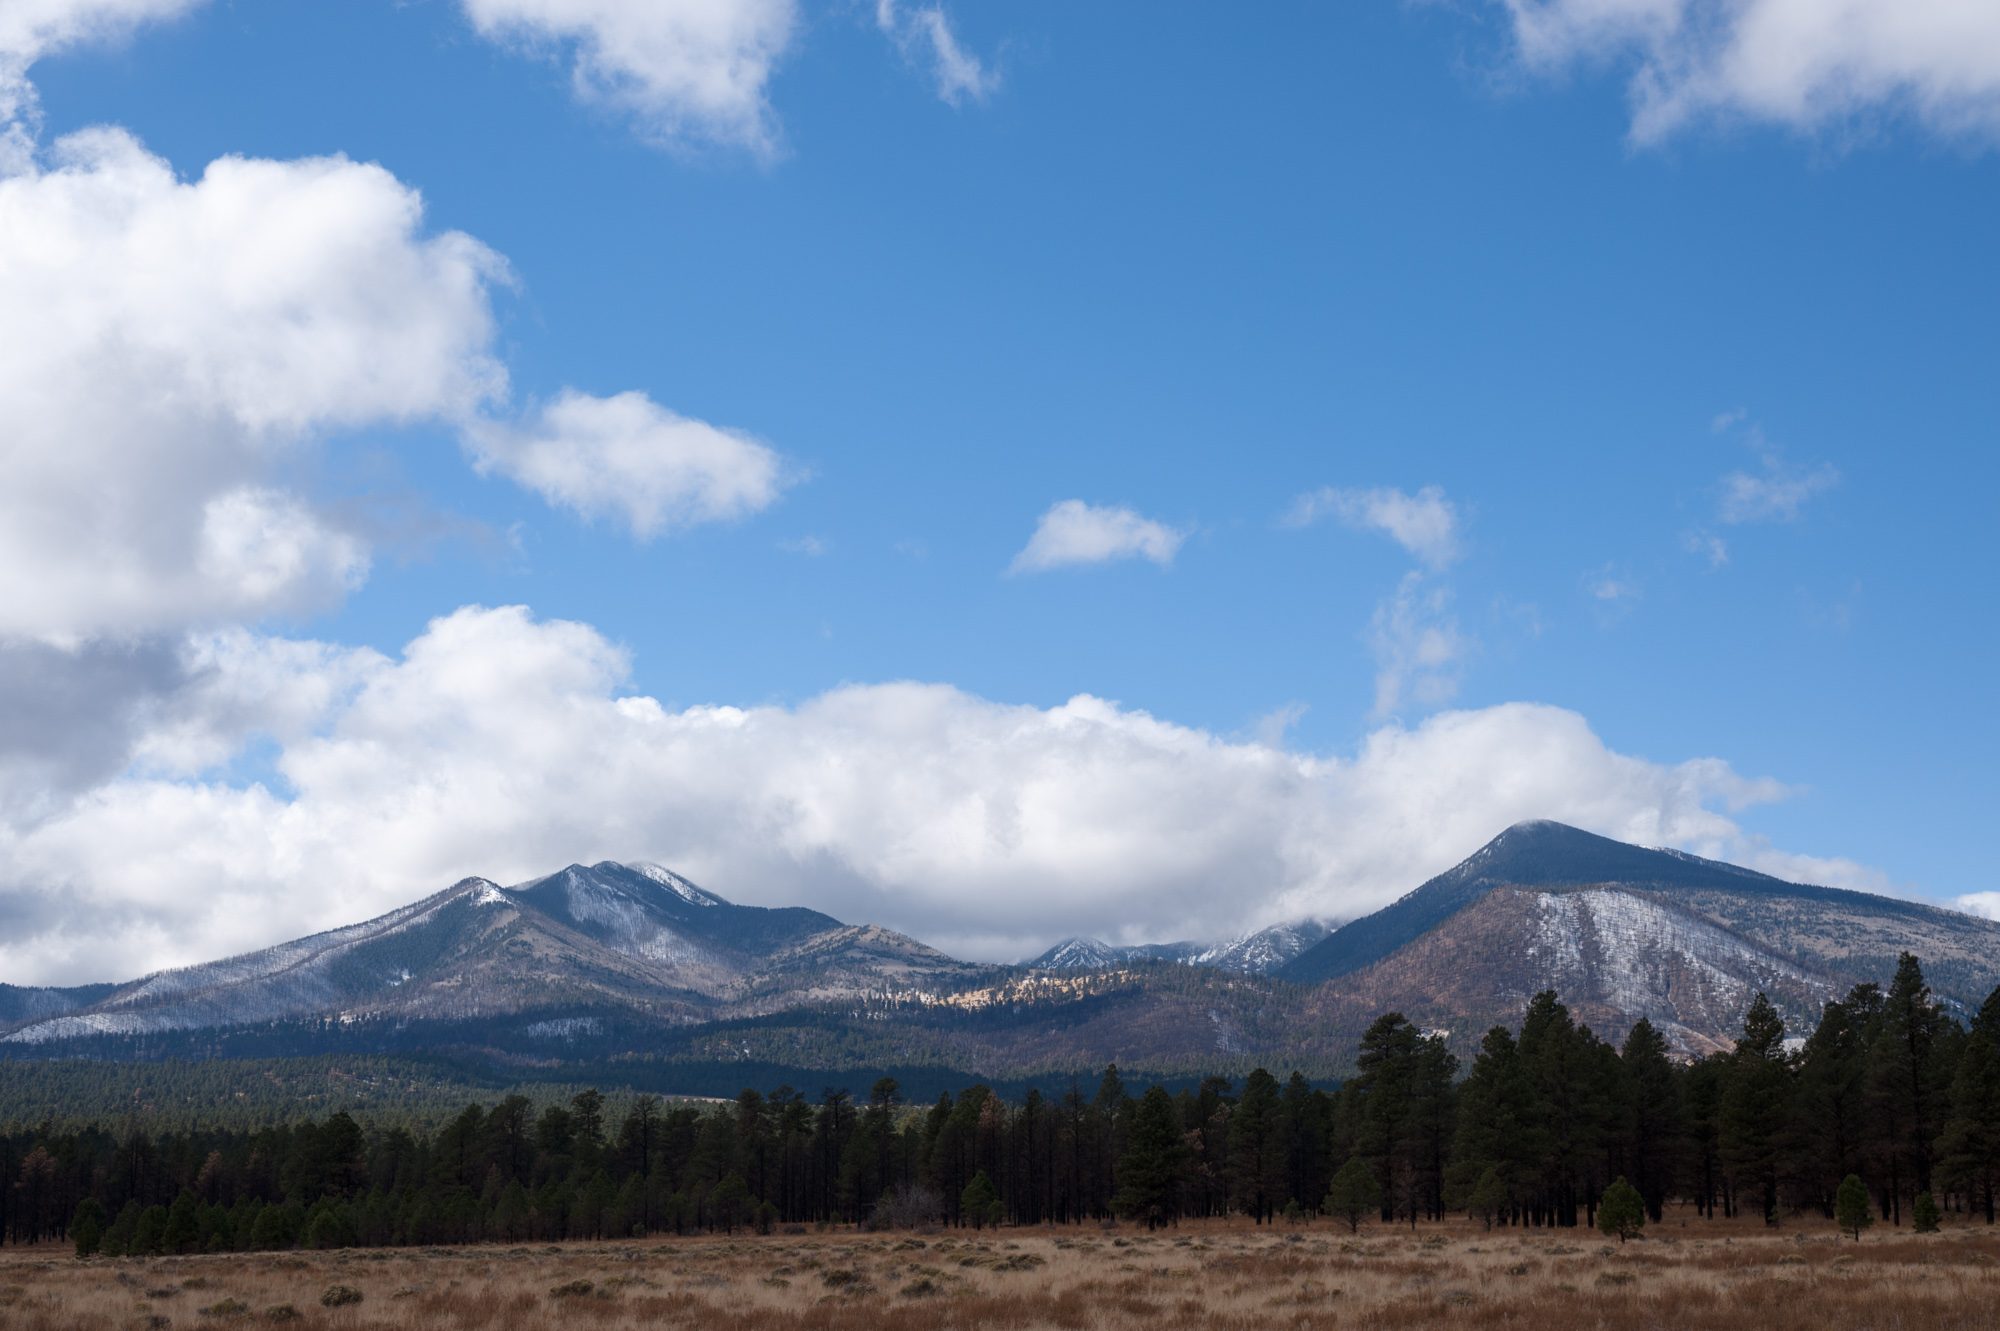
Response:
column 679, row 886
column 1257, row 953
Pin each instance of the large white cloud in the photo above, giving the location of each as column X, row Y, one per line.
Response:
column 500, row 745
column 1798, row 63
column 169, row 347
column 166, row 345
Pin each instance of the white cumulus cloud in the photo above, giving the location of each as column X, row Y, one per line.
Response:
column 1802, row 64
column 170, row 347
column 503, row 745
column 165, row 345
column 686, row 71
column 1073, row 532
column 1986, row 905
column 628, row 457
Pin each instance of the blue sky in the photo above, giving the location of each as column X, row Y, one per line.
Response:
column 1703, row 399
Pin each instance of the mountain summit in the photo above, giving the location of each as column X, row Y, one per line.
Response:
column 1624, row 932
column 1538, row 854
column 628, row 938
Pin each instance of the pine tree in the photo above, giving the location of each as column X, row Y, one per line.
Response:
column 1497, row 1129
column 1382, row 1093
column 1305, row 1127
column 86, row 1227
column 1652, row 1113
column 979, row 1204
column 1851, row 1208
column 1257, row 1148
column 1970, row 1144
column 1488, row 1198
column 182, row 1232
column 1924, row 1214
column 1829, row 1115
column 1150, row 1170
column 1756, row 1105
column 1622, row 1211
column 1354, row 1193
column 1905, row 1084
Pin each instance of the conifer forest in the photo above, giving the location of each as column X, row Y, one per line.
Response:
column 1891, row 1098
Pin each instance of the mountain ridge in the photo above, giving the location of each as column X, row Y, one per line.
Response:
column 612, row 960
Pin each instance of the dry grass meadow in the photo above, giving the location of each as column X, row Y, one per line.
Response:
column 1230, row 1275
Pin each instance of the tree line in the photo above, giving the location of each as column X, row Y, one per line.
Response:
column 1889, row 1088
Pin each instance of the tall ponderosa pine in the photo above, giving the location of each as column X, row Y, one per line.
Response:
column 1149, row 1172
column 1379, row 1099
column 1306, row 1125
column 1653, row 1128
column 1402, row 1102
column 1571, row 1078
column 1756, row 1107
column 1829, row 1108
column 1257, row 1148
column 1907, row 1087
column 1498, row 1133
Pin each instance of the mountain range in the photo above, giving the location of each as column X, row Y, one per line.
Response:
column 633, row 967
column 1259, row 953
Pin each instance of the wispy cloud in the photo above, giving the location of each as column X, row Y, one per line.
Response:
column 924, row 35
column 1778, row 493
column 1425, row 523
column 1774, row 490
column 1418, row 646
column 1414, row 635
column 1611, row 585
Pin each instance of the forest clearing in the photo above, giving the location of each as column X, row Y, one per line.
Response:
column 1684, row 1272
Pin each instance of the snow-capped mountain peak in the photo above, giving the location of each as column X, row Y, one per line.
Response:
column 1073, row 954
column 674, row 883
column 1250, row 954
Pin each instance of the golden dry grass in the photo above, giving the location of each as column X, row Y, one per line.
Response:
column 1224, row 1275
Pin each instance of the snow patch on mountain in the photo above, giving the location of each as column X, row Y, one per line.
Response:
column 1644, row 957
column 1264, row 951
